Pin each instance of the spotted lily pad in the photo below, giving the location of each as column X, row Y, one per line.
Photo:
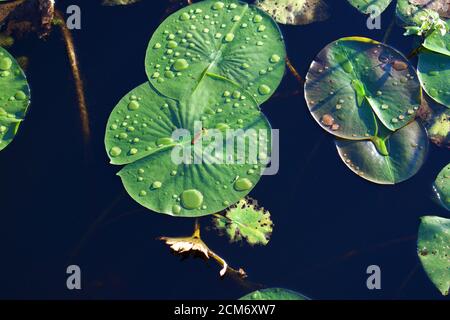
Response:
column 295, row 12
column 140, row 135
column 274, row 294
column 367, row 6
column 434, row 251
column 434, row 74
column 229, row 40
column 436, row 119
column 14, row 97
column 407, row 150
column 356, row 83
column 246, row 221
column 442, row 187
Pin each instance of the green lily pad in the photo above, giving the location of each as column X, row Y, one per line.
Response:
column 14, row 97
column 231, row 40
column 139, row 134
column 355, row 83
column 246, row 221
column 295, row 12
column 437, row 42
column 442, row 187
column 436, row 119
column 274, row 294
column 434, row 74
column 407, row 150
column 434, row 251
column 366, row 6
column 414, row 12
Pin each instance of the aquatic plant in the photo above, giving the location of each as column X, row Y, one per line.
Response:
column 433, row 250
column 442, row 187
column 14, row 97
column 274, row 294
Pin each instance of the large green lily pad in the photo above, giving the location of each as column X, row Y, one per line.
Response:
column 139, row 134
column 436, row 119
column 295, row 12
column 366, row 6
column 434, row 74
column 434, row 250
column 407, row 150
column 14, row 97
column 355, row 83
column 274, row 294
column 442, row 187
column 224, row 39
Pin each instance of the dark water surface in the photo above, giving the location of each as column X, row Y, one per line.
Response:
column 329, row 223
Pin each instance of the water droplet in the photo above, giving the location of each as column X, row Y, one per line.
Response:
column 157, row 45
column 264, row 89
column 5, row 63
column 156, row 185
column 229, row 37
column 384, row 106
column 20, row 95
column 133, row 105
column 115, row 151
column 180, row 65
column 347, row 66
column 142, row 193
column 133, row 151
column 242, row 184
column 222, row 126
column 172, row 44
column 275, row 58
column 176, row 209
column 218, row 5
column 327, row 120
column 191, row 199
column 257, row 18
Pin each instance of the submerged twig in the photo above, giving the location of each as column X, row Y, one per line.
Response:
column 79, row 87
column 194, row 244
column 294, row 72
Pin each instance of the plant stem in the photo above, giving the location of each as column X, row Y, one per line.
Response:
column 294, row 71
column 79, row 87
column 389, row 30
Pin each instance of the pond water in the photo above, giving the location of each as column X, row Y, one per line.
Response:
column 330, row 225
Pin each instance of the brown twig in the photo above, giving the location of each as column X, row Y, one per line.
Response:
column 79, row 87
column 294, row 72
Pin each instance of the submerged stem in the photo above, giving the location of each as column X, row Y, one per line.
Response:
column 294, row 71
column 79, row 87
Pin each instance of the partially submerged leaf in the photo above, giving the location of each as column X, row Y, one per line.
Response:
column 437, row 42
column 274, row 294
column 407, row 150
column 228, row 39
column 246, row 221
column 355, row 83
column 434, row 74
column 195, row 245
column 139, row 134
column 14, row 97
column 434, row 251
column 442, row 187
column 436, row 119
column 295, row 12
column 370, row 7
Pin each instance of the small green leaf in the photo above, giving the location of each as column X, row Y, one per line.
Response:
column 367, row 7
column 407, row 150
column 227, row 39
column 295, row 12
column 434, row 74
column 442, row 187
column 436, row 42
column 14, row 97
column 355, row 83
column 246, row 221
column 434, row 251
column 274, row 294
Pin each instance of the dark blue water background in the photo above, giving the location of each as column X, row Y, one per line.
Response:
column 329, row 223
